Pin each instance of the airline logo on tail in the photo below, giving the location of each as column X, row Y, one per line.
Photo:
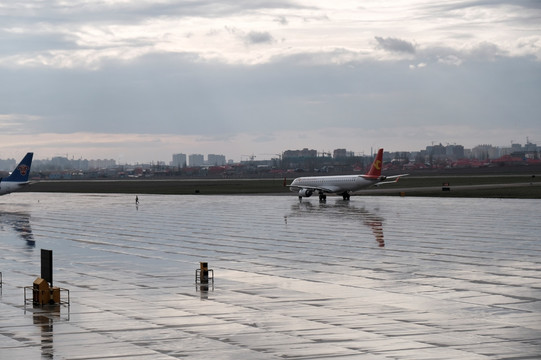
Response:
column 375, row 169
column 23, row 169
column 18, row 178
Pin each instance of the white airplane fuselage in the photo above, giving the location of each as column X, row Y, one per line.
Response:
column 7, row 187
column 336, row 184
column 341, row 184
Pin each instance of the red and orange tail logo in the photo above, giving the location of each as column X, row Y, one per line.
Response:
column 375, row 170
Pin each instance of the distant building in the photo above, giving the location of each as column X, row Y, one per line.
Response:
column 485, row 152
column 342, row 153
column 196, row 160
column 60, row 163
column 530, row 147
column 216, row 160
column 101, row 164
column 304, row 159
column 455, row 152
column 436, row 151
column 179, row 160
column 304, row 153
column 528, row 151
column 7, row 165
column 339, row 153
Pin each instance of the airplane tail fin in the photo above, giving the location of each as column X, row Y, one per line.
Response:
column 375, row 169
column 22, row 171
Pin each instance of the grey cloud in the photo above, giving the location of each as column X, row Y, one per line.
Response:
column 22, row 21
column 14, row 43
column 119, row 12
column 282, row 20
column 252, row 37
column 172, row 94
column 395, row 45
column 258, row 37
column 526, row 4
column 484, row 51
column 529, row 12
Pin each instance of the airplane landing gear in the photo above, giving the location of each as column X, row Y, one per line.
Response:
column 345, row 196
column 322, row 197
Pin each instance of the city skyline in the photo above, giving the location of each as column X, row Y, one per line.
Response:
column 137, row 81
column 189, row 159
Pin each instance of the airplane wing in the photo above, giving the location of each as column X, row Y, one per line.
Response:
column 397, row 177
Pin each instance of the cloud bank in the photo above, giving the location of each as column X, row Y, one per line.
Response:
column 268, row 75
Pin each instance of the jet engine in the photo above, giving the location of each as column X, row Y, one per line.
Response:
column 305, row 192
column 380, row 179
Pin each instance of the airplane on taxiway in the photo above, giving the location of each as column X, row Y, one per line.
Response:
column 342, row 184
column 18, row 178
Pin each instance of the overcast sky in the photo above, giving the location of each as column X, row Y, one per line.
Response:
column 137, row 81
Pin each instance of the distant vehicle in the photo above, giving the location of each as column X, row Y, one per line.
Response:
column 18, row 178
column 342, row 184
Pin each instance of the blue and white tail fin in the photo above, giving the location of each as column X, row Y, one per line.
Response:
column 22, row 171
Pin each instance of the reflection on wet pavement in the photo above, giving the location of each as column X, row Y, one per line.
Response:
column 343, row 211
column 20, row 222
column 451, row 278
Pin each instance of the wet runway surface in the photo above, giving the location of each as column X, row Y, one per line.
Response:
column 375, row 278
